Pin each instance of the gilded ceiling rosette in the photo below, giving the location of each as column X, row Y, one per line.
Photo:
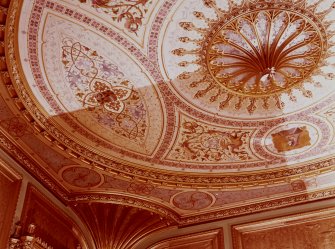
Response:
column 250, row 54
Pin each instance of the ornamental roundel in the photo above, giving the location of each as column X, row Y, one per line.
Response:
column 255, row 51
column 81, row 177
column 192, row 200
column 263, row 52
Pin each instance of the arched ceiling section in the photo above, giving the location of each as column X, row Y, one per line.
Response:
column 118, row 226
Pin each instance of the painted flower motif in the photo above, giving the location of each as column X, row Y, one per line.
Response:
column 102, row 88
column 108, row 96
column 138, row 112
column 84, row 64
column 74, row 79
column 127, row 123
column 192, row 200
column 138, row 188
column 106, row 119
column 108, row 70
column 211, row 142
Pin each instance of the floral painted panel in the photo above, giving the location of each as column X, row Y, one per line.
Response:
column 104, row 90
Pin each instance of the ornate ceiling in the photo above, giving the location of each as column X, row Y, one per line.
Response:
column 194, row 109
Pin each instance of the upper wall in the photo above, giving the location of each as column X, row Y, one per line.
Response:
column 24, row 201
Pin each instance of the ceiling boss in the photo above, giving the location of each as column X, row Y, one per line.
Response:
column 252, row 53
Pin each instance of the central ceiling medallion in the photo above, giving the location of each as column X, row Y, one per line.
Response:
column 263, row 52
column 256, row 51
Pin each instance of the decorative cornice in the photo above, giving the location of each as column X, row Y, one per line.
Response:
column 5, row 143
column 298, row 199
column 261, row 206
column 31, row 167
column 169, row 215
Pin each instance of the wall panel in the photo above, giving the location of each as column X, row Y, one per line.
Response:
column 308, row 230
column 212, row 239
column 52, row 225
column 10, row 184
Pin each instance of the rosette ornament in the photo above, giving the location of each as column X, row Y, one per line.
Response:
column 258, row 50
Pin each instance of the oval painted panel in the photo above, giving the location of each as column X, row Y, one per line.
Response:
column 81, row 177
column 192, row 200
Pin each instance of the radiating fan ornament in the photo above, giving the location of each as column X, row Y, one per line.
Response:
column 258, row 50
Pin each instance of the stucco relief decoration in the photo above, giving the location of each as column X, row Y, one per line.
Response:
column 102, row 89
column 192, row 200
column 199, row 142
column 130, row 12
column 252, row 53
column 81, row 177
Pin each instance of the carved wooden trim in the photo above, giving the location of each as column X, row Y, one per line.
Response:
column 11, row 183
column 313, row 229
column 212, row 239
column 53, row 229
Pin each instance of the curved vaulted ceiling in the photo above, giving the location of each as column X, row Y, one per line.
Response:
column 196, row 109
